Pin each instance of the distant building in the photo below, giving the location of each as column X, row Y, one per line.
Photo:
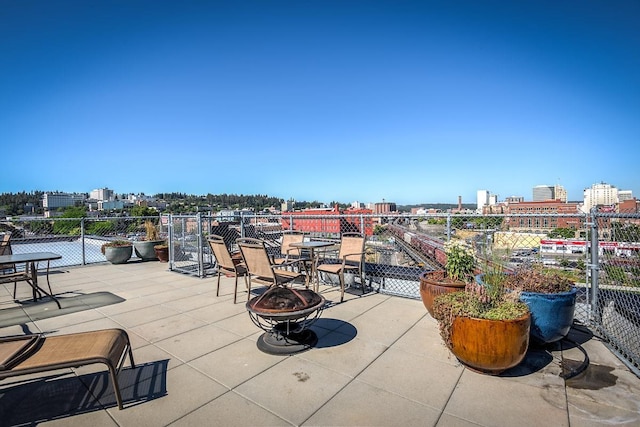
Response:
column 482, row 199
column 107, row 205
column 287, row 206
column 514, row 199
column 559, row 193
column 601, row 194
column 102, row 194
column 320, row 221
column 384, row 207
column 542, row 193
column 54, row 201
column 541, row 216
column 624, row 195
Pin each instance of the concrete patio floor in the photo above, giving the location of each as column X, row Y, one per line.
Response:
column 379, row 361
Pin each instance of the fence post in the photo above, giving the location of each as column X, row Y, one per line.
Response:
column 84, row 260
column 200, row 246
column 448, row 226
column 594, row 266
column 362, row 230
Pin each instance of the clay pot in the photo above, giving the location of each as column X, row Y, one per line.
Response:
column 162, row 252
column 490, row 346
column 434, row 283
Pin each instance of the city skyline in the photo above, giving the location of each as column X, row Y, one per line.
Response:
column 411, row 102
column 120, row 194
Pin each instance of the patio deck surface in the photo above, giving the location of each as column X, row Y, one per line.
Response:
column 379, row 361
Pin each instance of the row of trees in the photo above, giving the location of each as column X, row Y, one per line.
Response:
column 16, row 204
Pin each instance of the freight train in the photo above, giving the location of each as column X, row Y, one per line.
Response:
column 430, row 247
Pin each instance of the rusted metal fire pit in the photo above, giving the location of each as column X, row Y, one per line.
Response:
column 285, row 315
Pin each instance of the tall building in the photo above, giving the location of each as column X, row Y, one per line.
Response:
column 559, row 193
column 384, row 207
column 601, row 194
column 543, row 192
column 482, row 199
column 102, row 194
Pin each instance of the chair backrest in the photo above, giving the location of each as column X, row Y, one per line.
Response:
column 5, row 249
column 289, row 238
column 5, row 244
column 350, row 244
column 256, row 258
column 220, row 251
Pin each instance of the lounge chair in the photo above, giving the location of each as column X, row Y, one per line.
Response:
column 30, row 354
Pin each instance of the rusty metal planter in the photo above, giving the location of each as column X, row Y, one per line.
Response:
column 490, row 346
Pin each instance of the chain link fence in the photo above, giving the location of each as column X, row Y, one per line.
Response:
column 398, row 249
column 78, row 240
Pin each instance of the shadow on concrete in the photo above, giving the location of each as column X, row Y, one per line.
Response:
column 46, row 308
column 29, row 402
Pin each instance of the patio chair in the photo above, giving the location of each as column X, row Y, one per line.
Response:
column 227, row 262
column 8, row 272
column 350, row 259
column 260, row 265
column 290, row 253
column 32, row 354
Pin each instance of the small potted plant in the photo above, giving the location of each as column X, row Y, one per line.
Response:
column 458, row 270
column 117, row 251
column 485, row 327
column 162, row 252
column 144, row 249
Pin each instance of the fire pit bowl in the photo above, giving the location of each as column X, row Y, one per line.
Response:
column 285, row 315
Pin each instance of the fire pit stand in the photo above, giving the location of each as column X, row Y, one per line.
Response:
column 285, row 315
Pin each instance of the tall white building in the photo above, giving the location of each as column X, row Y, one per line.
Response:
column 482, row 199
column 102, row 194
column 559, row 193
column 599, row 194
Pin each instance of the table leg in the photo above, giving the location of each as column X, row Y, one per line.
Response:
column 37, row 288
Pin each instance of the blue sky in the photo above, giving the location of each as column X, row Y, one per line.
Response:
column 407, row 101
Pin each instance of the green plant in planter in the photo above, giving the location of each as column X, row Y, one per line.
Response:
column 461, row 261
column 491, row 302
column 459, row 268
column 485, row 327
column 535, row 278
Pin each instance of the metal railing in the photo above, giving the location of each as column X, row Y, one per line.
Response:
column 398, row 249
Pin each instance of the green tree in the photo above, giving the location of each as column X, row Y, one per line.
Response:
column 562, row 233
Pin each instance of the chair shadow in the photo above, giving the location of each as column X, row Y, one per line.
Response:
column 63, row 395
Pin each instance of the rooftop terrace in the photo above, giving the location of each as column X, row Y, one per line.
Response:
column 379, row 361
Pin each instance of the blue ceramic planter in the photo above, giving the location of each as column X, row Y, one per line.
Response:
column 551, row 314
